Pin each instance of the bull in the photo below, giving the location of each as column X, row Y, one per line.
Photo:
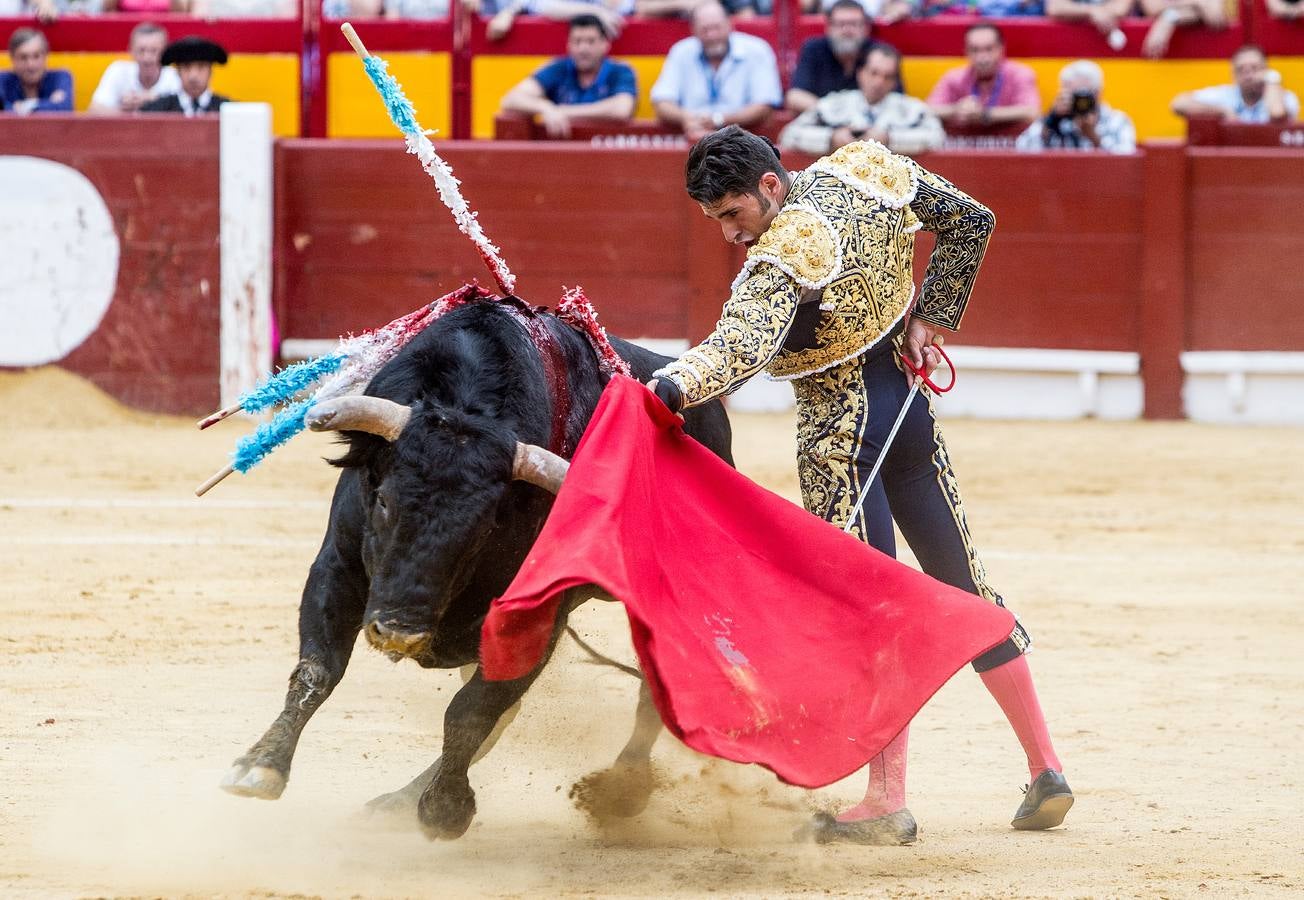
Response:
column 436, row 507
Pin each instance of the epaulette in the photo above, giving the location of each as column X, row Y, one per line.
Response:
column 871, row 168
column 802, row 243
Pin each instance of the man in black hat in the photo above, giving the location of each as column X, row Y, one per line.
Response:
column 194, row 58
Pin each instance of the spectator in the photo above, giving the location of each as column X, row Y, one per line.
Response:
column 32, row 86
column 1169, row 15
column 47, row 11
column 126, row 86
column 991, row 9
column 610, row 13
column 1079, row 119
column 583, row 83
column 876, row 110
column 830, row 63
column 886, row 11
column 668, row 9
column 1104, row 15
column 194, row 58
column 1285, row 9
column 716, row 78
column 245, row 9
column 1256, row 97
column 991, row 92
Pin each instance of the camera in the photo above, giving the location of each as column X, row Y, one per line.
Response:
column 1083, row 104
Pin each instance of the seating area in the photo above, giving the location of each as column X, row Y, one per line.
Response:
column 456, row 75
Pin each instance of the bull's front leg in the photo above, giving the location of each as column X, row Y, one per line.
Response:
column 447, row 805
column 404, row 800
column 330, row 616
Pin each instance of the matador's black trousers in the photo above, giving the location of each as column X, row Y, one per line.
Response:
column 844, row 415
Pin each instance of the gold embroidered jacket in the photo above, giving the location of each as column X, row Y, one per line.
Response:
column 844, row 240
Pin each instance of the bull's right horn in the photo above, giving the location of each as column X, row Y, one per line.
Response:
column 539, row 467
column 374, row 415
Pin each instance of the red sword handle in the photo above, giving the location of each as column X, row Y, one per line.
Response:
column 928, row 382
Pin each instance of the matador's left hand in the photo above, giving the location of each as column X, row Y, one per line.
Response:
column 918, row 347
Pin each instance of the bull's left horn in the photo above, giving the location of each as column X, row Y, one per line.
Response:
column 374, row 415
column 539, row 467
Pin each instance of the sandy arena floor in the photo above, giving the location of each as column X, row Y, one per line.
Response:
column 146, row 638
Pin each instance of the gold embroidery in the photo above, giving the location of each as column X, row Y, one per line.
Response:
column 832, row 414
column 963, row 227
column 799, row 241
column 752, row 326
column 879, row 170
column 871, row 291
column 859, row 250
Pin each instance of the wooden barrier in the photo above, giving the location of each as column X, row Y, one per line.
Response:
column 1170, row 251
column 1152, row 254
column 157, row 346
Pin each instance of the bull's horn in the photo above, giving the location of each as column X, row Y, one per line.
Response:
column 374, row 415
column 539, row 467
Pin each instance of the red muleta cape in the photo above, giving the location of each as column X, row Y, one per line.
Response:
column 766, row 634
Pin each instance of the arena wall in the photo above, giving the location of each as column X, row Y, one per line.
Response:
column 1162, row 283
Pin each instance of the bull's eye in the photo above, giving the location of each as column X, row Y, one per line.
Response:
column 463, row 440
column 382, row 508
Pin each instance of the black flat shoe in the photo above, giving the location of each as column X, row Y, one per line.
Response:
column 893, row 830
column 1045, row 803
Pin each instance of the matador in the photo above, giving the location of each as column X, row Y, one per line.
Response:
column 826, row 300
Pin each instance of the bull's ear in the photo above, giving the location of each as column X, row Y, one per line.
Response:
column 374, row 415
column 539, row 467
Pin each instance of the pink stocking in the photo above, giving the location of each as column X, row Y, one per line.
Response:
column 887, row 783
column 1011, row 684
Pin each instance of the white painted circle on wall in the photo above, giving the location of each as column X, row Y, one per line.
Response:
column 60, row 255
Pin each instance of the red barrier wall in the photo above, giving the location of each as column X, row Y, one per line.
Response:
column 362, row 221
column 1246, row 249
column 157, row 346
column 364, row 237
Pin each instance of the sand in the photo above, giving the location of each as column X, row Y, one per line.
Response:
column 146, row 638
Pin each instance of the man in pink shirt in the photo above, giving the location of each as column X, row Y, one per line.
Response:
column 991, row 94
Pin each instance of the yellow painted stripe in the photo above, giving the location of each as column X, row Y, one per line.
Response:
column 354, row 109
column 257, row 77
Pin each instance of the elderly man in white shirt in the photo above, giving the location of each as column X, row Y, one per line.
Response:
column 876, row 112
column 717, row 77
column 126, row 86
column 1079, row 119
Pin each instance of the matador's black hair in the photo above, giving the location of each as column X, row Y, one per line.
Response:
column 730, row 161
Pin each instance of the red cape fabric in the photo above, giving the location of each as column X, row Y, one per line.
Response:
column 766, row 634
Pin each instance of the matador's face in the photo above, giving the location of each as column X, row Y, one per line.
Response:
column 745, row 217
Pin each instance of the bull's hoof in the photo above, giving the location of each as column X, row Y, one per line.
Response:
column 400, row 802
column 446, row 815
column 620, row 792
column 262, row 782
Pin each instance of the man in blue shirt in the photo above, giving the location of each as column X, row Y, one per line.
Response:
column 717, row 77
column 31, row 87
column 582, row 84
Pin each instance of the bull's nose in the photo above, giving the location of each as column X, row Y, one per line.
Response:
column 391, row 640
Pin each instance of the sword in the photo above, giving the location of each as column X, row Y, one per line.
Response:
column 921, row 379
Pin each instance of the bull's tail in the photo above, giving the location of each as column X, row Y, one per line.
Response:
column 599, row 659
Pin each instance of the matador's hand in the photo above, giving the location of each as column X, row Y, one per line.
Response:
column 918, row 347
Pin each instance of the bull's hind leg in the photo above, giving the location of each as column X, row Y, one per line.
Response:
column 406, row 797
column 330, row 616
column 623, row 789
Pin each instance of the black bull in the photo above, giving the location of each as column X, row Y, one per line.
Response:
column 426, row 529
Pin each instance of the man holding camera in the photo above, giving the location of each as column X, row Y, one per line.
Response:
column 1078, row 119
